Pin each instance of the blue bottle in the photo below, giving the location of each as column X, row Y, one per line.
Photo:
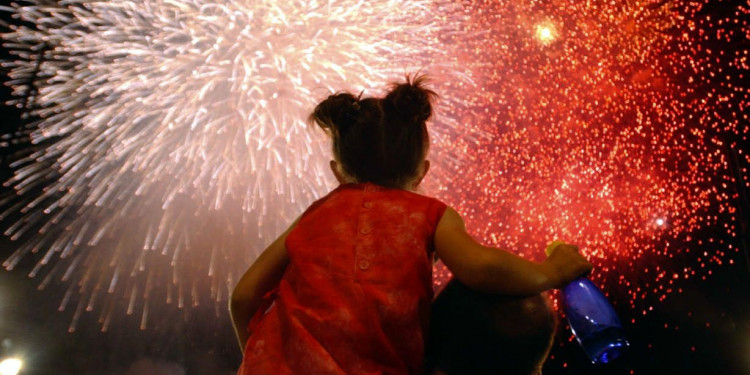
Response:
column 592, row 319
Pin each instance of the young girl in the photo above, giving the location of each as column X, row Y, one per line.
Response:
column 347, row 288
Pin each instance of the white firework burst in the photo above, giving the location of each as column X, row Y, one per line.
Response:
column 170, row 135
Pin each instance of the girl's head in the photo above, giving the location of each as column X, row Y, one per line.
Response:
column 379, row 140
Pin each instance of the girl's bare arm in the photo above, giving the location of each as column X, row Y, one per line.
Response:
column 494, row 270
column 264, row 274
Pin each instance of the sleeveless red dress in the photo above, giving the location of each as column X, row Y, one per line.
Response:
column 356, row 295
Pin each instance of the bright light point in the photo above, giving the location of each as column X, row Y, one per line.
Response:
column 10, row 366
column 545, row 33
column 660, row 222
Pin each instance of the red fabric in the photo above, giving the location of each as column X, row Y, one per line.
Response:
column 355, row 297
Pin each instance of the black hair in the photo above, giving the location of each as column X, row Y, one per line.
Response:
column 379, row 140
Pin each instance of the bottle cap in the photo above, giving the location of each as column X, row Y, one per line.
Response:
column 553, row 245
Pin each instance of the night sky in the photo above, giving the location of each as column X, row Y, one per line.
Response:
column 704, row 328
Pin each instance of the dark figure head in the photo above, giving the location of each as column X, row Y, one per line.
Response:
column 473, row 333
column 379, row 140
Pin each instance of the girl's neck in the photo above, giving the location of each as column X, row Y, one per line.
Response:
column 408, row 187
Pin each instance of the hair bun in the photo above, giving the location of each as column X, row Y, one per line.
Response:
column 337, row 113
column 411, row 100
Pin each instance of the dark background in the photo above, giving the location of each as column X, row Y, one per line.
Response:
column 703, row 330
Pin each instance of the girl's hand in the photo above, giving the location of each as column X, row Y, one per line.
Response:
column 567, row 264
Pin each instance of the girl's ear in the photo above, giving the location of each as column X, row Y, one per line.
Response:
column 336, row 172
column 421, row 174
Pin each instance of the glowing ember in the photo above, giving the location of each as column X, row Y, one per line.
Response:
column 545, row 33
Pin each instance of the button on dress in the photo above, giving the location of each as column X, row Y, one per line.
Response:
column 356, row 294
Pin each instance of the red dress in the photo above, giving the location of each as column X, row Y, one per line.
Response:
column 356, row 295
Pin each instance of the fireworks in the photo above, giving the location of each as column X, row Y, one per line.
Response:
column 166, row 125
column 171, row 143
column 610, row 125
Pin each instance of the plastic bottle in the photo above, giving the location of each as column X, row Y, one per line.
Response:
column 592, row 319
